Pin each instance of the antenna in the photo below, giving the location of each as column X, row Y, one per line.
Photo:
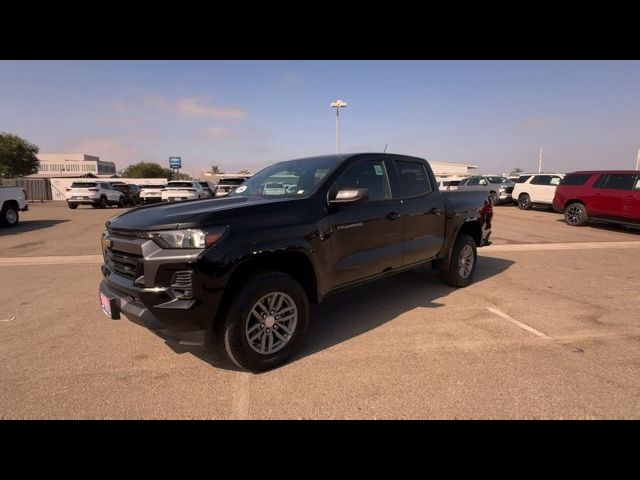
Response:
column 385, row 149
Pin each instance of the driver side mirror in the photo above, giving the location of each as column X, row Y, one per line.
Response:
column 351, row 196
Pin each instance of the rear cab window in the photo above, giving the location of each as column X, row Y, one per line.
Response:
column 413, row 180
column 522, row 179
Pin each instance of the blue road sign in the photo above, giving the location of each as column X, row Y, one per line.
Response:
column 175, row 162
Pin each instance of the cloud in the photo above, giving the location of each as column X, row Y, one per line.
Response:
column 216, row 133
column 194, row 107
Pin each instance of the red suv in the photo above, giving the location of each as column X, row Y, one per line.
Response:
column 611, row 196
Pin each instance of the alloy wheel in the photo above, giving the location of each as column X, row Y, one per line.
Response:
column 271, row 323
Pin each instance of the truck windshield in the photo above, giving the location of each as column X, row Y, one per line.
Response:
column 291, row 179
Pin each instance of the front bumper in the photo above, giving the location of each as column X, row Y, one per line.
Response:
column 90, row 201
column 140, row 280
column 138, row 313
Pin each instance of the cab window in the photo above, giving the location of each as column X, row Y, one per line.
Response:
column 369, row 174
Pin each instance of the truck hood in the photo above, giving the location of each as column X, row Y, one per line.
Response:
column 187, row 214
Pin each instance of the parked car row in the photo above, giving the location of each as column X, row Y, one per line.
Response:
column 102, row 193
column 610, row 196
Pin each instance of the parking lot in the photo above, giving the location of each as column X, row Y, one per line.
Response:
column 549, row 329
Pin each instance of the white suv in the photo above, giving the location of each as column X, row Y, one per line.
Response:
column 536, row 189
column 183, row 190
column 96, row 194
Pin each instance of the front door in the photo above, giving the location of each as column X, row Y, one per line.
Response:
column 365, row 239
column 612, row 194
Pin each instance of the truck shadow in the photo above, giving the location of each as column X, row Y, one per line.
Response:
column 356, row 311
column 28, row 226
column 351, row 313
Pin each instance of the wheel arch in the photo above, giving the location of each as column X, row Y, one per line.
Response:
column 294, row 263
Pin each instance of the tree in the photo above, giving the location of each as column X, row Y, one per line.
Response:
column 17, row 156
column 147, row 170
column 215, row 169
column 516, row 171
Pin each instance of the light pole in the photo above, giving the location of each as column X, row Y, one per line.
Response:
column 540, row 162
column 338, row 104
column 638, row 160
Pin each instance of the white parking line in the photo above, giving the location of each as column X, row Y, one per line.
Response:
column 520, row 324
column 53, row 260
column 529, row 247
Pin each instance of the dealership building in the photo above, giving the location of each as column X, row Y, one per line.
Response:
column 76, row 163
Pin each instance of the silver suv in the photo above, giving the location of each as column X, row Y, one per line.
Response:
column 497, row 187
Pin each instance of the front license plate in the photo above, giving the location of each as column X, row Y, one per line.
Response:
column 105, row 303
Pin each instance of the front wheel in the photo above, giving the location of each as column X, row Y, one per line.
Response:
column 73, row 206
column 266, row 322
column 493, row 196
column 464, row 257
column 524, row 202
column 121, row 203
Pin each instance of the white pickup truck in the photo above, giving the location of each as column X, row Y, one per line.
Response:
column 12, row 200
column 183, row 190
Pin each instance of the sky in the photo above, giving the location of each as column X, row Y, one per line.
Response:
column 249, row 114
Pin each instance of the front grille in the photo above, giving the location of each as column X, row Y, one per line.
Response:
column 508, row 190
column 126, row 264
column 117, row 232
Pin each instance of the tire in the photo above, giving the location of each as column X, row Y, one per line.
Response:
column 103, row 203
column 9, row 217
column 575, row 214
column 121, row 203
column 493, row 196
column 240, row 320
column 524, row 202
column 464, row 250
column 73, row 206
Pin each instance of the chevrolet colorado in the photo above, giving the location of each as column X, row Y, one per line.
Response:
column 239, row 271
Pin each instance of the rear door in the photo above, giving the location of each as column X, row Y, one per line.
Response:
column 422, row 209
column 365, row 239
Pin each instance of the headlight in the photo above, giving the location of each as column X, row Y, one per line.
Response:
column 191, row 238
column 502, row 187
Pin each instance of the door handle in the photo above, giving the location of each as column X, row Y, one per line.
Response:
column 435, row 211
column 392, row 216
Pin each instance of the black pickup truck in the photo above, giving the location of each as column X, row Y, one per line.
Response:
column 239, row 271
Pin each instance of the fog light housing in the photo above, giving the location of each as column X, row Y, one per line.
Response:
column 182, row 284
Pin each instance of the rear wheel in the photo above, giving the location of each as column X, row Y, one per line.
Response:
column 103, row 203
column 575, row 214
column 9, row 217
column 266, row 322
column 524, row 202
column 73, row 206
column 462, row 266
column 121, row 203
